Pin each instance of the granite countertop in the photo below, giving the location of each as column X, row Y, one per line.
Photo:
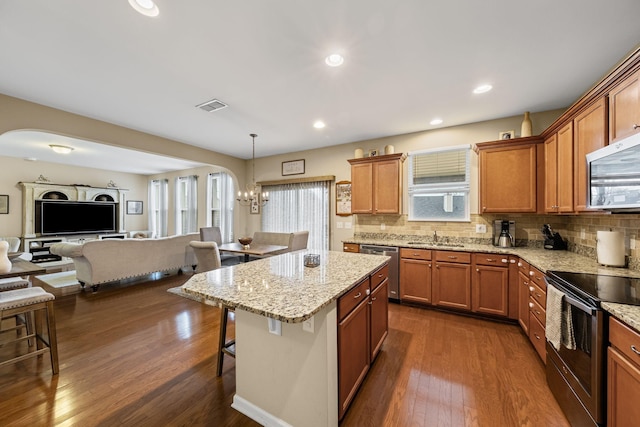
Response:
column 542, row 259
column 281, row 287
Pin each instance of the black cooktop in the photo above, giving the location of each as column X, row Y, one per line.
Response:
column 600, row 287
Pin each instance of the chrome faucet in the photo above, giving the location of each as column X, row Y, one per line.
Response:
column 435, row 236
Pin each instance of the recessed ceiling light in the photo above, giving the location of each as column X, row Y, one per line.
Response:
column 436, row 122
column 334, row 60
column 145, row 7
column 483, row 89
column 319, row 124
column 61, row 149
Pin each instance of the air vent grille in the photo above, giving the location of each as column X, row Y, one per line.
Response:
column 213, row 105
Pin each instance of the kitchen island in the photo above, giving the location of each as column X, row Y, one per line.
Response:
column 286, row 375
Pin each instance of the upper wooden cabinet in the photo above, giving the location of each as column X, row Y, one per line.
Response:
column 590, row 133
column 509, row 175
column 558, row 155
column 624, row 108
column 376, row 184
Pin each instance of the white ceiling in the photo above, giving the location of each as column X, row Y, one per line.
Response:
column 406, row 62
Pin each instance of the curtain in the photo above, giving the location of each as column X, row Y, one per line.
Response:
column 158, row 206
column 187, row 204
column 220, row 203
column 299, row 207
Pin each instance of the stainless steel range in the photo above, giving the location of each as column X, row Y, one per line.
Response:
column 577, row 377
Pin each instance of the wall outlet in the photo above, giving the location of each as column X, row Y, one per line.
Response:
column 383, row 226
column 339, row 224
column 481, row 228
column 632, row 241
column 583, row 234
column 347, row 224
column 275, row 326
column 307, row 325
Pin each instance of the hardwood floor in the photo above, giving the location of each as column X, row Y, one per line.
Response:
column 137, row 355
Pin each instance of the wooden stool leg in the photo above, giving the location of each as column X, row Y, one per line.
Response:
column 53, row 337
column 223, row 338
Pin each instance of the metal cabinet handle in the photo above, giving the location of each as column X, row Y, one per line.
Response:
column 531, row 273
column 345, row 248
column 512, row 261
column 538, row 295
column 635, row 350
column 635, row 126
column 452, row 257
column 416, row 254
column 358, row 295
column 530, row 305
column 531, row 288
column 491, row 260
column 373, row 298
column 538, row 313
column 504, row 260
column 429, row 265
column 537, row 336
column 478, row 270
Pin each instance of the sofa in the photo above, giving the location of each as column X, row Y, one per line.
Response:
column 102, row 261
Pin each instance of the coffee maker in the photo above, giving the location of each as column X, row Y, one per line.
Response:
column 504, row 233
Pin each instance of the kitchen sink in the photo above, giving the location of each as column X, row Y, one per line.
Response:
column 440, row 244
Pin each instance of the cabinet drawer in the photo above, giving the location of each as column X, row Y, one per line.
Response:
column 537, row 310
column 536, row 336
column 538, row 294
column 351, row 299
column 625, row 339
column 537, row 276
column 523, row 267
column 378, row 277
column 351, row 247
column 453, row 256
column 496, row 260
column 423, row 254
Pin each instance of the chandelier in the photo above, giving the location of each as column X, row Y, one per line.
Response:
column 252, row 196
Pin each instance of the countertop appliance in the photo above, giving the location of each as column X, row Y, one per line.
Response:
column 577, row 377
column 504, row 233
column 394, row 266
column 614, row 176
column 552, row 240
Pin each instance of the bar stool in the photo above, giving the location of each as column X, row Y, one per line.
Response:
column 10, row 284
column 224, row 346
column 28, row 302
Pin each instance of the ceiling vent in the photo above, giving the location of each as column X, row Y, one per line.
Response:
column 213, row 105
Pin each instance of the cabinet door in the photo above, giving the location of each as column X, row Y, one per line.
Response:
column 351, row 247
column 565, row 168
column 590, row 134
column 508, row 179
column 415, row 280
column 362, row 188
column 623, row 391
column 523, row 302
column 490, row 290
column 353, row 354
column 624, row 109
column 452, row 285
column 386, row 187
column 513, row 287
column 551, row 174
column 379, row 303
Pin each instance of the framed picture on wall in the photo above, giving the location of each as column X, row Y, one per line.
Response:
column 134, row 207
column 343, row 198
column 4, row 204
column 293, row 167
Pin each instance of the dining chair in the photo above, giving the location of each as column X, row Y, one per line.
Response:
column 207, row 254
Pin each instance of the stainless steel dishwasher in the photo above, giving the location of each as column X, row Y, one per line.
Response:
column 394, row 266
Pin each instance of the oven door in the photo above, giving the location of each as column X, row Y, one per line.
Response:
column 583, row 367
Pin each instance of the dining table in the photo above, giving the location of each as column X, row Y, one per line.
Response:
column 20, row 268
column 256, row 249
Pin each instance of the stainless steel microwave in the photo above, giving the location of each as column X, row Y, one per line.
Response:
column 614, row 176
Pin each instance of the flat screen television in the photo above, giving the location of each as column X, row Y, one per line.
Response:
column 55, row 217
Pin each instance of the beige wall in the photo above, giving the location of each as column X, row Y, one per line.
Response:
column 333, row 161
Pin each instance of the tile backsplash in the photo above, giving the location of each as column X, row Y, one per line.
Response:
column 578, row 230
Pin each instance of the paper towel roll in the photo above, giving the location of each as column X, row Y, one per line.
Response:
column 610, row 248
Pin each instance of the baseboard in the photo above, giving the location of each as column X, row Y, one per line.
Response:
column 257, row 414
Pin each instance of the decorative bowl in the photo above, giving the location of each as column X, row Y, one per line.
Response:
column 245, row 241
column 311, row 260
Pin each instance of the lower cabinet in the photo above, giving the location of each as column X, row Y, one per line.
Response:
column 452, row 280
column 537, row 315
column 415, row 275
column 362, row 328
column 490, row 284
column 523, row 296
column 623, row 382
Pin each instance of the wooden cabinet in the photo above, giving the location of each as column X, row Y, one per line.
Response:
column 362, row 328
column 376, row 184
column 558, row 152
column 415, row 275
column 351, row 247
column 509, row 175
column 379, row 304
column 523, row 296
column 451, row 286
column 490, row 284
column 623, row 377
column 537, row 316
column 624, row 108
column 590, row 130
